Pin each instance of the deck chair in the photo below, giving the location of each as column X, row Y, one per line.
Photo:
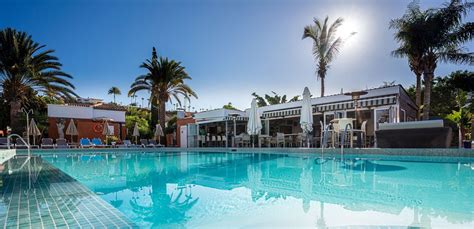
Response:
column 154, row 143
column 144, row 143
column 47, row 143
column 98, row 142
column 85, row 143
column 61, row 143
column 3, row 143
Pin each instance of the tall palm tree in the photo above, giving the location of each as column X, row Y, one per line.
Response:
column 326, row 44
column 114, row 91
column 434, row 35
column 406, row 34
column 443, row 35
column 165, row 81
column 26, row 66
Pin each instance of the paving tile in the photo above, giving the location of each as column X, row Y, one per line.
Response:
column 54, row 200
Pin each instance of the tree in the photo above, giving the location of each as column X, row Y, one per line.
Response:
column 114, row 91
column 439, row 34
column 272, row 99
column 326, row 44
column 25, row 66
column 461, row 117
column 165, row 81
column 409, row 41
column 229, row 106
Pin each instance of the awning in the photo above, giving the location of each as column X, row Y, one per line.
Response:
column 370, row 102
column 221, row 119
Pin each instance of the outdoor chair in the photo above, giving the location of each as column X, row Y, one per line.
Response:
column 246, row 140
column 19, row 144
column 154, row 143
column 98, row 142
column 47, row 143
column 61, row 143
column 85, row 143
column 214, row 141
column 280, row 139
column 144, row 143
column 3, row 143
column 300, row 140
column 126, row 144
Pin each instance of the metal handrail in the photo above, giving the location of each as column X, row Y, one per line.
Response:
column 343, row 137
column 28, row 146
column 325, row 136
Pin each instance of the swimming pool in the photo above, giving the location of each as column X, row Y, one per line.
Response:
column 244, row 189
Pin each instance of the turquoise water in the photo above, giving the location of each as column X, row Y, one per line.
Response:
column 267, row 190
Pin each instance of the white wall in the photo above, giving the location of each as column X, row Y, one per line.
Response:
column 117, row 116
column 63, row 111
column 78, row 112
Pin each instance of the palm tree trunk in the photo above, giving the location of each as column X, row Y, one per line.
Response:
column 162, row 114
column 418, row 94
column 15, row 112
column 322, row 86
column 154, row 112
column 461, row 135
column 114, row 98
column 428, row 77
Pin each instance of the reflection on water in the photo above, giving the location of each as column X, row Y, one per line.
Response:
column 229, row 189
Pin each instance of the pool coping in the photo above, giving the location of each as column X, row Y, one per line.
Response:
column 436, row 152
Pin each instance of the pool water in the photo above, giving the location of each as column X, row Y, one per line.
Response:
column 193, row 189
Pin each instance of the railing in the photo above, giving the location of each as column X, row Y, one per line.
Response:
column 343, row 137
column 27, row 161
column 23, row 140
column 324, row 139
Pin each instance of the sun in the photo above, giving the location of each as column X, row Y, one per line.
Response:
column 348, row 28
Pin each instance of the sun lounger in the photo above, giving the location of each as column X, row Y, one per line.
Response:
column 97, row 142
column 126, row 144
column 19, row 144
column 61, row 143
column 47, row 143
column 144, row 143
column 3, row 143
column 85, row 143
column 153, row 142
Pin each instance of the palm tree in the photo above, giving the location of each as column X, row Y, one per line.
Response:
column 25, row 66
column 433, row 35
column 272, row 99
column 114, row 91
column 443, row 35
column 165, row 81
column 326, row 44
column 410, row 46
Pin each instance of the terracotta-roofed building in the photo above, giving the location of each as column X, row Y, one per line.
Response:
column 89, row 118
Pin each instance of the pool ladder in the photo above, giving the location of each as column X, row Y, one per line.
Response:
column 343, row 137
column 27, row 161
column 325, row 137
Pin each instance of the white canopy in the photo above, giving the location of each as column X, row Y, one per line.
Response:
column 107, row 130
column 34, row 130
column 255, row 124
column 158, row 131
column 306, row 120
column 136, row 132
column 71, row 128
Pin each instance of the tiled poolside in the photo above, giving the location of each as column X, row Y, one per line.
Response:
column 54, row 199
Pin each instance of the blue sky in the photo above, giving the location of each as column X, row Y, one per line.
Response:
column 230, row 48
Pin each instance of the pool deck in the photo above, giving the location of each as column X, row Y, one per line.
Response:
column 51, row 199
